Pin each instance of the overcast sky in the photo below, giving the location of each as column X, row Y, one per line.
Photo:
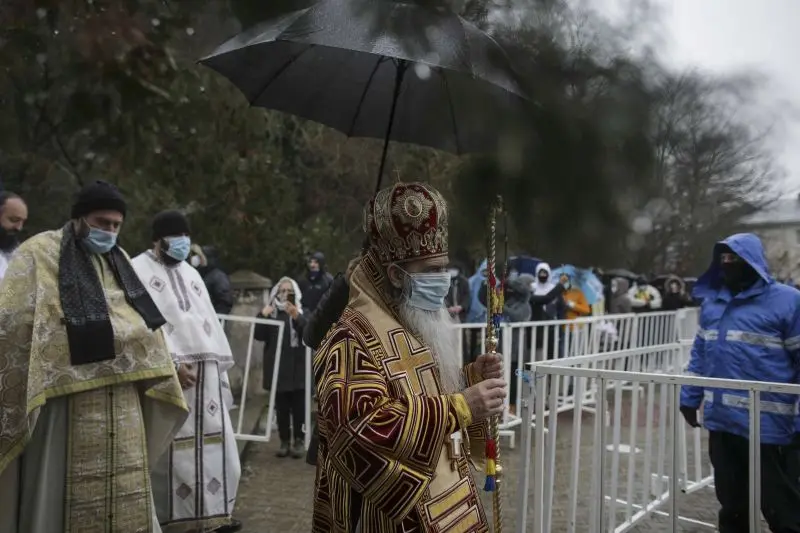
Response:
column 729, row 35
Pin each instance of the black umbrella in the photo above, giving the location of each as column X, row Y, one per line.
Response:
column 436, row 80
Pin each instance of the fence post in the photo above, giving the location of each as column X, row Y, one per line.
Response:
column 309, row 385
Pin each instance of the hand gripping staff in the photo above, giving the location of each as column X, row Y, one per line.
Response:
column 494, row 313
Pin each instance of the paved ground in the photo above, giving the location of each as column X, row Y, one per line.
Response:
column 275, row 494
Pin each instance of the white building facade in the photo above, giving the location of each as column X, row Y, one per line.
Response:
column 778, row 225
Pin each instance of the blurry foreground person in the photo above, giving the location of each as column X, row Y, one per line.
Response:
column 392, row 389
column 285, row 303
column 13, row 214
column 90, row 398
column 749, row 330
column 195, row 484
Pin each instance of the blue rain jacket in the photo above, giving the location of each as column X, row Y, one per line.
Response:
column 477, row 311
column 753, row 336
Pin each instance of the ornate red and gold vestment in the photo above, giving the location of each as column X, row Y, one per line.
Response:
column 386, row 458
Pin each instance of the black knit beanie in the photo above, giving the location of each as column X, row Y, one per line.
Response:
column 170, row 224
column 98, row 196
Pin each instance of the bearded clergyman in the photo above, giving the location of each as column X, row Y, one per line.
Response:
column 89, row 397
column 195, row 483
column 392, row 389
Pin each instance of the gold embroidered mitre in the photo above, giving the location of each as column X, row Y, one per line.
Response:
column 405, row 222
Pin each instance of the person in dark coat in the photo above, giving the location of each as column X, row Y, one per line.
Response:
column 285, row 304
column 316, row 281
column 218, row 284
column 330, row 308
column 547, row 304
column 675, row 296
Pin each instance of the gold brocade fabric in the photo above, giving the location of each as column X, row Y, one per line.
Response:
column 107, row 489
column 34, row 352
column 385, row 427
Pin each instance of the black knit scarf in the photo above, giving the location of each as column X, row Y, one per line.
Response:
column 89, row 330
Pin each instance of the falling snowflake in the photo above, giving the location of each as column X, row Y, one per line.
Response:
column 189, row 31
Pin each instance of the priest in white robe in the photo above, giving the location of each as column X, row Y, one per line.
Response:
column 195, row 483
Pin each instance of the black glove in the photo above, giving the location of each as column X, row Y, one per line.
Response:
column 690, row 415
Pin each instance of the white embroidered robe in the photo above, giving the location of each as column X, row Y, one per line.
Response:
column 195, row 484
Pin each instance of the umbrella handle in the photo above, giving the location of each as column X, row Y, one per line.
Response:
column 401, row 67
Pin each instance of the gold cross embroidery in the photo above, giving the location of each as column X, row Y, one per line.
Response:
column 413, row 369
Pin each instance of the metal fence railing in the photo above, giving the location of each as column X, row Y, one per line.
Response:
column 521, row 344
column 635, row 460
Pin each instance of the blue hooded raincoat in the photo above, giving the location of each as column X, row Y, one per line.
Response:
column 477, row 311
column 753, row 336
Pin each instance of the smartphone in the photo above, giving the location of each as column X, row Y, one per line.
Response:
column 290, row 299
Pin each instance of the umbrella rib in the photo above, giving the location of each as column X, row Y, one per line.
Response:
column 280, row 71
column 367, row 85
column 452, row 110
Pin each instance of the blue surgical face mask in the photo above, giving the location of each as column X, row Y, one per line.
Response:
column 428, row 290
column 179, row 247
column 99, row 241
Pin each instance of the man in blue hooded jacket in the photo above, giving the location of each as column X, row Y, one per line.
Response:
column 749, row 330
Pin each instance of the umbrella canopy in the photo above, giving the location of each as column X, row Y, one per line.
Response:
column 525, row 264
column 620, row 273
column 584, row 279
column 436, row 80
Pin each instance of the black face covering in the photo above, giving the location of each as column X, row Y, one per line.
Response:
column 738, row 276
column 8, row 239
column 543, row 278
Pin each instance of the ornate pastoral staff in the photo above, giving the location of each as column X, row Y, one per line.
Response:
column 494, row 313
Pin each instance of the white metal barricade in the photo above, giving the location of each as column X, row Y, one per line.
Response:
column 523, row 343
column 636, row 471
column 250, row 323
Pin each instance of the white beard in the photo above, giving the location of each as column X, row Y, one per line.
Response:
column 435, row 330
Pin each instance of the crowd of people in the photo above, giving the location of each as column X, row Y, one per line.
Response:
column 115, row 401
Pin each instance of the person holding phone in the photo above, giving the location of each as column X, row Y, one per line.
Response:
column 284, row 303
